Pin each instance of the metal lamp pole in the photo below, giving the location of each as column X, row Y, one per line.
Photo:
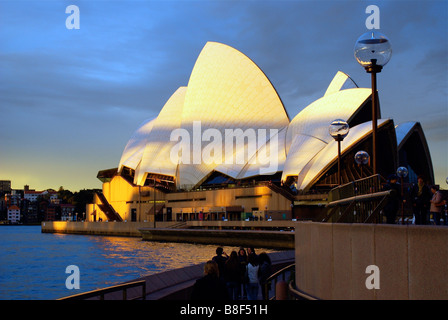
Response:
column 373, row 51
column 373, row 69
column 339, row 130
column 154, row 202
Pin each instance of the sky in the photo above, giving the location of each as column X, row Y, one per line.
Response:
column 70, row 99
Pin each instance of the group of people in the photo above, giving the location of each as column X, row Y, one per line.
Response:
column 426, row 201
column 239, row 276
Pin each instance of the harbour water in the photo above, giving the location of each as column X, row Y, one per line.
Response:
column 33, row 264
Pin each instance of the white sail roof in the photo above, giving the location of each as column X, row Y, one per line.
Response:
column 315, row 119
column 327, row 156
column 341, row 81
column 229, row 93
column 229, row 99
column 133, row 152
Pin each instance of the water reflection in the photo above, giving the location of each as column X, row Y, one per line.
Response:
column 139, row 258
column 33, row 264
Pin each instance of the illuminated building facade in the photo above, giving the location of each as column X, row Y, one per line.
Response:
column 224, row 147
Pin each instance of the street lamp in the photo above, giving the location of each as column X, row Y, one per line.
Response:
column 362, row 158
column 339, row 130
column 373, row 51
column 402, row 172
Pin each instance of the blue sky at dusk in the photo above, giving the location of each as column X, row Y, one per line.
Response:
column 71, row 99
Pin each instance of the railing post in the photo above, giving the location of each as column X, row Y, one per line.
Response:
column 281, row 290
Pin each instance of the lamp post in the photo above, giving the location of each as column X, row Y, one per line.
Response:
column 154, row 202
column 373, row 51
column 339, row 130
column 362, row 158
column 402, row 172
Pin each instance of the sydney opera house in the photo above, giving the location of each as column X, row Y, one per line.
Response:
column 224, row 147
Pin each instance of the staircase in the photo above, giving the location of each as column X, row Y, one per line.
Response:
column 284, row 191
column 106, row 207
column 360, row 201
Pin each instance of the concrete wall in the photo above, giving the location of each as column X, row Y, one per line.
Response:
column 245, row 238
column 265, row 239
column 331, row 261
column 124, row 229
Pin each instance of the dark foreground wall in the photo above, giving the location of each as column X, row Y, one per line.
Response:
column 372, row 261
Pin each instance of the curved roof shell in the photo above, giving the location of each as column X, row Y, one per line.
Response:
column 268, row 159
column 133, row 152
column 308, row 132
column 227, row 90
column 341, row 81
column 227, row 93
column 156, row 157
column 413, row 149
column 315, row 119
column 328, row 155
column 232, row 121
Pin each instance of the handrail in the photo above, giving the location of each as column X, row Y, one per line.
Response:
column 359, row 201
column 364, row 197
column 274, row 276
column 300, row 294
column 279, row 272
column 362, row 186
column 101, row 292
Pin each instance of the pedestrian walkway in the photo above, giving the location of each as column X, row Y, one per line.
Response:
column 176, row 284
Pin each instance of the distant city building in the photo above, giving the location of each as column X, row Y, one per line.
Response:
column 30, row 212
column 5, row 186
column 67, row 212
column 13, row 214
column 32, row 195
column 48, row 211
column 35, row 206
column 13, row 198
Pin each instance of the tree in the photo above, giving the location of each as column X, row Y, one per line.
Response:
column 66, row 196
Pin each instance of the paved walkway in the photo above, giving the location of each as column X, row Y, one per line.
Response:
column 175, row 284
